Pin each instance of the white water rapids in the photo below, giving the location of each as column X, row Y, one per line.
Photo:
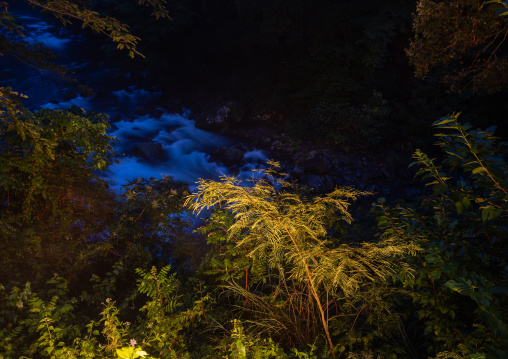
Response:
column 186, row 148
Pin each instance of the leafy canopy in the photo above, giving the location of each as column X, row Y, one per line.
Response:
column 460, row 42
column 66, row 11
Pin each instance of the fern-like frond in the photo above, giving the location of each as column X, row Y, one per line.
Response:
column 288, row 233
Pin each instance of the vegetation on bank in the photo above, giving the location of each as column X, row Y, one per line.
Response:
column 281, row 276
column 277, row 271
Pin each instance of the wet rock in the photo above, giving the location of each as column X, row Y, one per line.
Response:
column 297, row 171
column 321, row 184
column 312, row 181
column 141, row 109
column 371, row 174
column 235, row 171
column 115, row 118
column 267, row 117
column 157, row 112
column 317, row 166
column 275, row 144
column 328, row 183
column 349, row 180
column 218, row 152
column 68, row 95
column 171, row 128
column 147, row 150
column 233, row 156
column 229, row 114
column 240, row 147
column 339, row 182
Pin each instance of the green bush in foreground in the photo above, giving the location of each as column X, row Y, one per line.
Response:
column 281, row 281
column 458, row 284
column 56, row 325
column 306, row 274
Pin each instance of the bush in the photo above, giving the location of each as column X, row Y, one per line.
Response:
column 458, row 283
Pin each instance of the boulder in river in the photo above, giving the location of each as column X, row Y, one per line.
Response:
column 218, row 152
column 227, row 115
column 317, row 166
column 233, row 156
column 228, row 156
column 319, row 183
column 147, row 150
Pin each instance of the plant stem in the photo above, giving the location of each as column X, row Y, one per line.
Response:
column 314, row 292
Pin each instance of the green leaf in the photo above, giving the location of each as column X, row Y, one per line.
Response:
column 124, row 353
column 490, row 213
column 241, row 349
column 445, row 121
column 466, row 202
column 460, row 207
column 479, row 169
column 463, row 286
column 439, row 188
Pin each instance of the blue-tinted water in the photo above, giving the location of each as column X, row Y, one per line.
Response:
column 186, row 149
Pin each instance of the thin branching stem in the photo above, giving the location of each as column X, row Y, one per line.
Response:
column 314, row 292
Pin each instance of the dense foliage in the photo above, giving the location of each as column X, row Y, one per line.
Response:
column 286, row 234
column 51, row 200
column 67, row 11
column 458, row 284
column 276, row 270
column 437, row 270
column 463, row 41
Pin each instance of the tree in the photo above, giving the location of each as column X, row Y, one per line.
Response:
column 41, row 58
column 460, row 42
column 55, row 209
column 50, row 197
column 66, row 11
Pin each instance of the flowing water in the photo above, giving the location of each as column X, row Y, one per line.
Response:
column 137, row 114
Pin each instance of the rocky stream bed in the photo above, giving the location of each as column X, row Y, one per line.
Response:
column 319, row 165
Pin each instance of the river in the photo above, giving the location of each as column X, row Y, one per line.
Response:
column 137, row 114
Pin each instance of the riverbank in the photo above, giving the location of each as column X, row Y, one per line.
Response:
column 320, row 165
